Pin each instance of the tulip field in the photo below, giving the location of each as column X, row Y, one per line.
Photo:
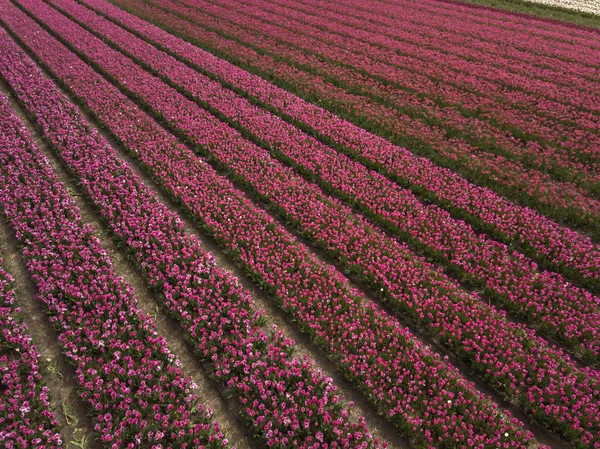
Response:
column 312, row 224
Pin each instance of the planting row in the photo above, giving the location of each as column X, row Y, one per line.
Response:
column 301, row 407
column 507, row 357
column 556, row 247
column 357, row 75
column 546, row 300
column 556, row 200
column 26, row 419
column 417, row 391
column 135, row 391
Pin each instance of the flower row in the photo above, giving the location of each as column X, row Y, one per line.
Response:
column 124, row 371
column 301, row 406
column 555, row 246
column 545, row 299
column 507, row 355
column 381, row 357
column 26, row 419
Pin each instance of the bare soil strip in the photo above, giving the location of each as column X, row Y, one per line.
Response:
column 57, row 374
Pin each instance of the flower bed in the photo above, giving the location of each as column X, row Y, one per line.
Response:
column 295, row 410
column 508, row 357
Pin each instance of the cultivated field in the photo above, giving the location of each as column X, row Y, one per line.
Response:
column 587, row 6
column 297, row 224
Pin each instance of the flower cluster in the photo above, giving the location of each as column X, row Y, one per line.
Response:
column 424, row 396
column 548, row 301
column 287, row 402
column 124, row 370
column 546, row 242
column 26, row 419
